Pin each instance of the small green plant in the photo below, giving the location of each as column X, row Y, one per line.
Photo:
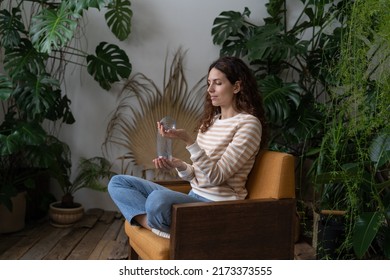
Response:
column 91, row 173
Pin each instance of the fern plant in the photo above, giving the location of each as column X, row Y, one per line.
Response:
column 354, row 158
column 92, row 173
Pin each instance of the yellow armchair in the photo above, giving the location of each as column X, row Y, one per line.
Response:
column 259, row 227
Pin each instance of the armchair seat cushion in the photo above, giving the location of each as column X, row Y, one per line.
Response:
column 148, row 245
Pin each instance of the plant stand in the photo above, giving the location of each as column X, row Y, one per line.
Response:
column 65, row 217
column 330, row 233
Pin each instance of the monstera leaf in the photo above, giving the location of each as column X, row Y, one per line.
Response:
column 10, row 27
column 229, row 24
column 23, row 134
column 279, row 98
column 5, row 87
column 36, row 95
column 118, row 18
column 52, row 29
column 79, row 5
column 109, row 65
column 269, row 42
column 24, row 58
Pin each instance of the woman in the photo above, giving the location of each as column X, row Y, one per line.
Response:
column 229, row 137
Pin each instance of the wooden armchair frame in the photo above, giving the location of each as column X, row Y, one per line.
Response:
column 254, row 228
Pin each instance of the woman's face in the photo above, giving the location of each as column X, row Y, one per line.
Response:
column 220, row 89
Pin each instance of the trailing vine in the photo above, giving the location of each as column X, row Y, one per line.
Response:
column 357, row 116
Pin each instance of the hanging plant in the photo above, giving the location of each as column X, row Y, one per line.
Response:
column 355, row 149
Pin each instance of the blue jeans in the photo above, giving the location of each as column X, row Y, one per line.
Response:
column 135, row 196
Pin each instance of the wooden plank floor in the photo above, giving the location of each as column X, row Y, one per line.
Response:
column 98, row 236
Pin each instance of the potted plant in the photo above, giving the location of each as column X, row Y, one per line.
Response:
column 19, row 178
column 37, row 43
column 91, row 174
column 24, row 159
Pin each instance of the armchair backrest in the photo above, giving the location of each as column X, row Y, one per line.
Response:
column 272, row 176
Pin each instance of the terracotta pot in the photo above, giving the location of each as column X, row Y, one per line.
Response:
column 65, row 217
column 12, row 221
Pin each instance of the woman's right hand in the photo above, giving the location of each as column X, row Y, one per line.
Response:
column 175, row 134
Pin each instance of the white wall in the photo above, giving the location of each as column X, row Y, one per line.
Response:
column 157, row 26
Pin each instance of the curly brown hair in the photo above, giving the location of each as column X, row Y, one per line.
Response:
column 248, row 100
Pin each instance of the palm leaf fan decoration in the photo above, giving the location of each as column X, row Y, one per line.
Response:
column 132, row 128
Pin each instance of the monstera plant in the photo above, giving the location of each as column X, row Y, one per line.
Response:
column 38, row 40
column 288, row 64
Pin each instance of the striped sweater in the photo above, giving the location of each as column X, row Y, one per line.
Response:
column 222, row 158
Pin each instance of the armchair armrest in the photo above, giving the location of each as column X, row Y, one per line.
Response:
column 245, row 229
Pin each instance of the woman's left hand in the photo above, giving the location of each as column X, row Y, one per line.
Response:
column 168, row 164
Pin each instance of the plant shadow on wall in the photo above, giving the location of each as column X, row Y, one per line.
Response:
column 325, row 82
column 39, row 39
column 132, row 129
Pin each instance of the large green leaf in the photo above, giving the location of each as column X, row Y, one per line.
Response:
column 5, row 87
column 228, row 24
column 36, row 95
column 24, row 58
column 270, row 43
column 23, row 134
column 109, row 65
column 52, row 29
column 304, row 123
column 275, row 9
column 60, row 109
column 79, row 5
column 278, row 98
column 118, row 18
column 11, row 27
column 365, row 230
column 380, row 149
